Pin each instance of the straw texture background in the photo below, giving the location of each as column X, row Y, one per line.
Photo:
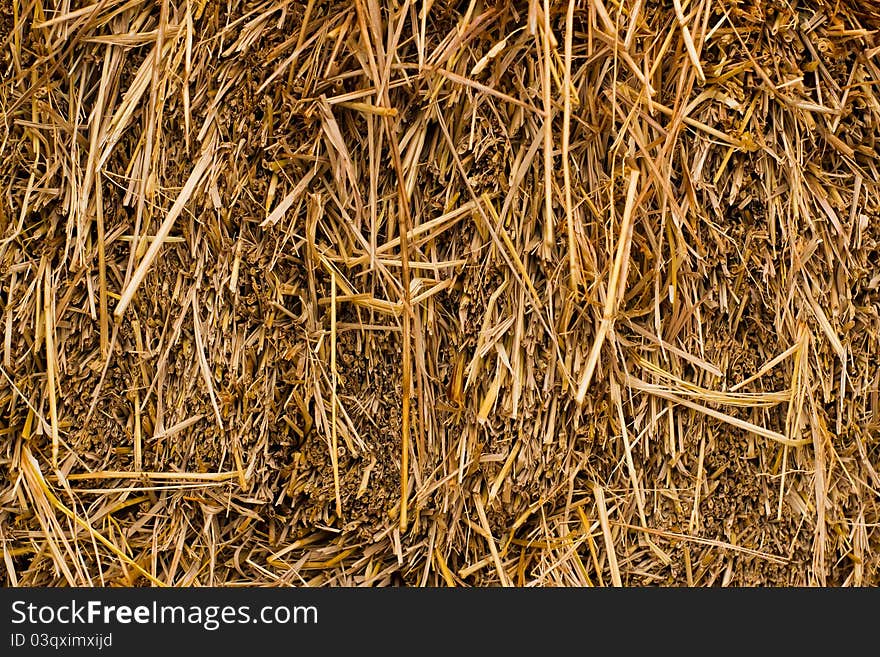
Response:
column 361, row 293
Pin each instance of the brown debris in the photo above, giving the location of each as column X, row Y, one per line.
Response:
column 440, row 293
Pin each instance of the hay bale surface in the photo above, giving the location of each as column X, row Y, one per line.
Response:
column 439, row 293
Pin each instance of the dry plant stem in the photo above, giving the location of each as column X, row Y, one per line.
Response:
column 334, row 450
column 549, row 219
column 51, row 367
column 688, row 41
column 599, row 495
column 615, row 286
column 102, row 275
column 573, row 269
column 493, row 548
column 121, row 474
